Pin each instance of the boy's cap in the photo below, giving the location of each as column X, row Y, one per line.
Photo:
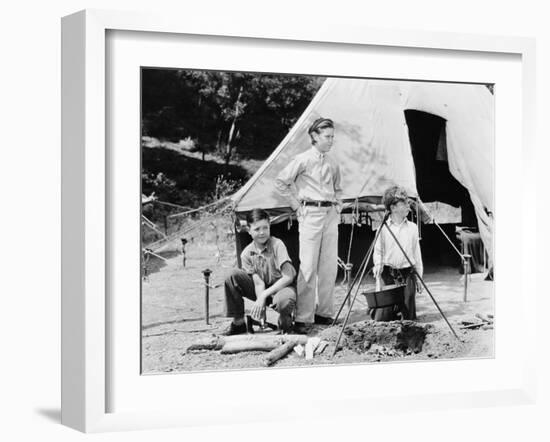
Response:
column 320, row 123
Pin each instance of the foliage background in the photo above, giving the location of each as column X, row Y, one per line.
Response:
column 204, row 133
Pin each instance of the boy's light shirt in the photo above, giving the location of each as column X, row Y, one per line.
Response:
column 387, row 252
column 266, row 261
column 311, row 176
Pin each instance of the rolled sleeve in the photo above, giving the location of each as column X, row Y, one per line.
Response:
column 246, row 263
column 281, row 254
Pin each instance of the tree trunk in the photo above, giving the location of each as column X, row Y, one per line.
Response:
column 230, row 138
column 219, row 141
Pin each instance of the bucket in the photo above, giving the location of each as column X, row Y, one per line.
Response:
column 386, row 297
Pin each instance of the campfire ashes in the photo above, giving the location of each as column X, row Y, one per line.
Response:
column 403, row 336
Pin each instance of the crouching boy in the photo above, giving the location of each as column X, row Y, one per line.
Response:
column 266, row 277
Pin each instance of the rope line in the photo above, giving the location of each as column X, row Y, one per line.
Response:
column 149, row 252
column 439, row 227
column 172, row 205
column 176, row 235
column 177, row 215
column 152, row 226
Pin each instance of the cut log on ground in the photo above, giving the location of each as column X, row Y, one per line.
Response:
column 269, row 337
column 483, row 318
column 212, row 343
column 321, row 347
column 471, row 326
column 240, row 346
column 279, row 353
column 262, row 342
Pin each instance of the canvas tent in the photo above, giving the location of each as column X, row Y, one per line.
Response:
column 373, row 134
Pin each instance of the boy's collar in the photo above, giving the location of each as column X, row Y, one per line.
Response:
column 317, row 152
column 397, row 224
column 260, row 249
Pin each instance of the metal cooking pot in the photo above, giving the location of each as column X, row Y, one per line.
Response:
column 386, row 297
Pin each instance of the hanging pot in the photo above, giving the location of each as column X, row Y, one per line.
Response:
column 386, row 296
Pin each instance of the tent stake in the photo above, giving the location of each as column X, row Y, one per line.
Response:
column 466, row 264
column 183, row 244
column 207, row 273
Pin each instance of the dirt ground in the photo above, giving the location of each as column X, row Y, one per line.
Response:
column 173, row 315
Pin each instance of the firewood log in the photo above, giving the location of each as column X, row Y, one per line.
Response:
column 212, row 343
column 263, row 342
column 483, row 318
column 268, row 337
column 260, row 343
column 240, row 346
column 279, row 353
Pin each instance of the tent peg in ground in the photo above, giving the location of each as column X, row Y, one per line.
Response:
column 206, row 273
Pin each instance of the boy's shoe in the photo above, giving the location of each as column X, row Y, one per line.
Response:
column 284, row 324
column 300, row 328
column 234, row 329
column 322, row 320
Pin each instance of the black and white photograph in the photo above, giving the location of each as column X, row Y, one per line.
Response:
column 294, row 220
column 308, row 221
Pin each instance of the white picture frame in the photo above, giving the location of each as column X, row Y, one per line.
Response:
column 85, row 236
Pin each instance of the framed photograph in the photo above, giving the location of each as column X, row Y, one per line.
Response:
column 283, row 206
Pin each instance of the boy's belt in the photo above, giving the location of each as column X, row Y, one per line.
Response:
column 402, row 269
column 398, row 274
column 318, row 203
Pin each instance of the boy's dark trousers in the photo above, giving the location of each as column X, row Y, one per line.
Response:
column 239, row 285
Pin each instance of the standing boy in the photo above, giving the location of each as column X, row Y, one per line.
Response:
column 311, row 184
column 389, row 261
column 266, row 278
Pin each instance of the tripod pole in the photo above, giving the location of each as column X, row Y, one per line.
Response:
column 464, row 257
column 360, row 270
column 421, row 280
column 352, row 302
column 351, row 284
column 349, row 266
column 441, row 230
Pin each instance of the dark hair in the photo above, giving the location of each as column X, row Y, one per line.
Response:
column 393, row 195
column 318, row 125
column 256, row 215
